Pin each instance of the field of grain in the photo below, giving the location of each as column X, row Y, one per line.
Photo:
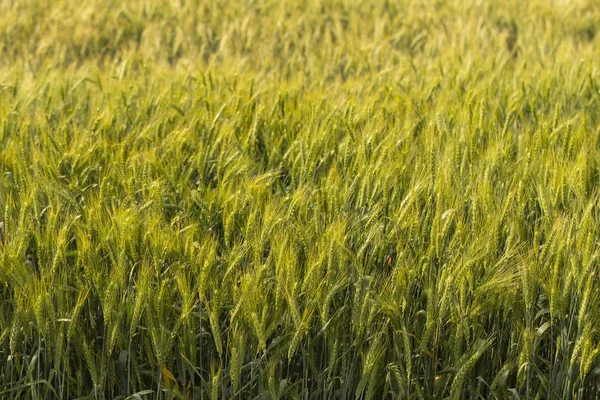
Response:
column 299, row 199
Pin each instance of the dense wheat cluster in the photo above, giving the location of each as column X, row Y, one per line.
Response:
column 314, row 199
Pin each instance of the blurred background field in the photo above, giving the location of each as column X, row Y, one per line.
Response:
column 299, row 199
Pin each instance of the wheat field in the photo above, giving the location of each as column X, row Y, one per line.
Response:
column 299, row 199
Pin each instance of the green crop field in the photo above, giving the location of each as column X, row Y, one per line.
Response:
column 299, row 199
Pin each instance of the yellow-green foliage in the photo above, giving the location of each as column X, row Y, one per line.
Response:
column 299, row 199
